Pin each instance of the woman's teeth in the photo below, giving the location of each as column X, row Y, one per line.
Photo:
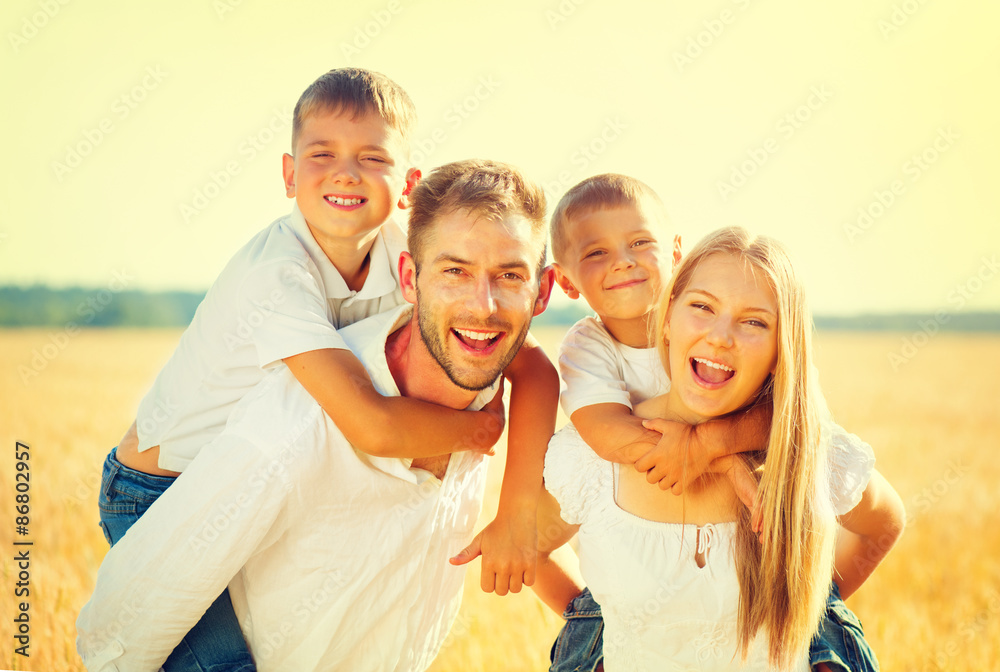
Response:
column 714, row 365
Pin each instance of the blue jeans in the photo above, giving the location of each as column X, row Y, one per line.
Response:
column 839, row 642
column 215, row 643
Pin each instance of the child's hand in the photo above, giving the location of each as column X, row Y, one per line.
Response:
column 675, row 462
column 509, row 548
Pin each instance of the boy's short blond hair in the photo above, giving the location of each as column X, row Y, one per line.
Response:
column 358, row 92
column 601, row 192
column 489, row 189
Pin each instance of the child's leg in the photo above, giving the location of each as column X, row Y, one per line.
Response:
column 215, row 643
column 840, row 644
column 580, row 645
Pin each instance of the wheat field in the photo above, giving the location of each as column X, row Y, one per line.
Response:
column 933, row 605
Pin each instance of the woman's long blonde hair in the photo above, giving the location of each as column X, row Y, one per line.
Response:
column 785, row 580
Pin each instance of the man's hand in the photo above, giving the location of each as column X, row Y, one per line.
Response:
column 509, row 548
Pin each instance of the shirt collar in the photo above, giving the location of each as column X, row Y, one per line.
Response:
column 382, row 273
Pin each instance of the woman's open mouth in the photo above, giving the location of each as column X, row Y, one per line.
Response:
column 710, row 374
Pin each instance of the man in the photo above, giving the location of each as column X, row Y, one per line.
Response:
column 336, row 559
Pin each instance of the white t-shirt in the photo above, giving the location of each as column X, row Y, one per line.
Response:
column 597, row 369
column 661, row 610
column 337, row 560
column 278, row 296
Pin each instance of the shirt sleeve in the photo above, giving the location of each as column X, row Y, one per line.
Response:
column 851, row 460
column 575, row 475
column 284, row 310
column 161, row 577
column 588, row 364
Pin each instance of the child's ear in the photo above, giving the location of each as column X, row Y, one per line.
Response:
column 408, row 277
column 563, row 281
column 412, row 178
column 677, row 252
column 288, row 173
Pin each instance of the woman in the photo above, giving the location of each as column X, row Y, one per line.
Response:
column 683, row 582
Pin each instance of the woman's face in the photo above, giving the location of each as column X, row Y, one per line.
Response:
column 723, row 333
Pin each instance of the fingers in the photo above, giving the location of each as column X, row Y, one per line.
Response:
column 469, row 553
column 656, row 424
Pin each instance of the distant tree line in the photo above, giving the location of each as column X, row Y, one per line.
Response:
column 43, row 306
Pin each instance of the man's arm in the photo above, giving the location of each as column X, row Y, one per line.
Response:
column 390, row 426
column 508, row 543
column 159, row 579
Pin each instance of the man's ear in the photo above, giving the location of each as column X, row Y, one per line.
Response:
column 288, row 173
column 412, row 178
column 545, row 284
column 408, row 277
column 563, row 280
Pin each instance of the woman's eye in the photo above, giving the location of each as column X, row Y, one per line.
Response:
column 757, row 323
column 700, row 306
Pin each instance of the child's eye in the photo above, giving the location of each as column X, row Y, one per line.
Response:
column 375, row 159
column 757, row 323
column 593, row 253
column 644, row 241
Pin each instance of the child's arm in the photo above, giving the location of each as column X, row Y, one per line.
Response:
column 556, row 583
column 869, row 531
column 508, row 544
column 685, row 452
column 614, row 433
column 390, row 426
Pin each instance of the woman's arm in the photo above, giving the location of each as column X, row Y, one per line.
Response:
column 869, row 531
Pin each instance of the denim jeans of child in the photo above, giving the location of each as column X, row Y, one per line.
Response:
column 839, row 642
column 215, row 643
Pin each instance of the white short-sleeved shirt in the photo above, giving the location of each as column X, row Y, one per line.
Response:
column 337, row 560
column 661, row 610
column 278, row 296
column 597, row 369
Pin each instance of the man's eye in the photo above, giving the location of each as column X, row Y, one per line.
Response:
column 512, row 276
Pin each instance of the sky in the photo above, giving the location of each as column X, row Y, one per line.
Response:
column 143, row 140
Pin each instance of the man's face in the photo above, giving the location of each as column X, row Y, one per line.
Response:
column 476, row 292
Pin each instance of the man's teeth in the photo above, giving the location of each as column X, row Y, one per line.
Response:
column 714, row 365
column 345, row 201
column 478, row 335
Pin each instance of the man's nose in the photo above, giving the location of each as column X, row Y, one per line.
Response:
column 482, row 302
